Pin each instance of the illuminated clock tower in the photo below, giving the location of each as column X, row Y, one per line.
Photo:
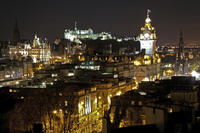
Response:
column 148, row 37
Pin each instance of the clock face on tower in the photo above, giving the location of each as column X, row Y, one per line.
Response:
column 146, row 35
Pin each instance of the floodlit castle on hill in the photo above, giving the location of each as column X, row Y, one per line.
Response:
column 77, row 34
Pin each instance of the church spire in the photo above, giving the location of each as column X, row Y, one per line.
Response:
column 181, row 37
column 181, row 43
column 16, row 33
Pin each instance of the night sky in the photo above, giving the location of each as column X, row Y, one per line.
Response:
column 49, row 18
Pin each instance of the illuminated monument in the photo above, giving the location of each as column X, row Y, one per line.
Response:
column 147, row 37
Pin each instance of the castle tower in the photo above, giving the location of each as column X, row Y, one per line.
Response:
column 16, row 33
column 147, row 37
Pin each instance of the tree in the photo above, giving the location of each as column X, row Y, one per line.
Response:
column 194, row 64
column 119, row 113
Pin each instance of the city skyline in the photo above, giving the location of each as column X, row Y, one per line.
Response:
column 99, row 66
column 50, row 19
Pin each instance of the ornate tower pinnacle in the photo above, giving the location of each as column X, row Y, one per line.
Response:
column 148, row 20
column 75, row 25
column 148, row 12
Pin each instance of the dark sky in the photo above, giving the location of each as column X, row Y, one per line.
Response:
column 49, row 18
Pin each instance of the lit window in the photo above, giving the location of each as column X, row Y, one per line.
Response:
column 132, row 102
column 140, row 103
column 109, row 100
column 66, row 103
column 81, row 108
column 170, row 110
column 119, row 93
